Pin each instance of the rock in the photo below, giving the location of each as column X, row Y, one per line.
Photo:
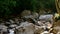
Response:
column 11, row 21
column 26, row 13
column 42, row 11
column 46, row 32
column 3, row 28
column 48, row 25
column 11, row 31
column 58, row 32
column 40, row 23
column 7, row 23
column 29, row 16
column 47, row 18
column 35, row 15
column 13, row 25
column 38, row 29
column 26, row 28
column 56, row 29
column 17, row 20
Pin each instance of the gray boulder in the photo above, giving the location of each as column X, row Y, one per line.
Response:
column 26, row 28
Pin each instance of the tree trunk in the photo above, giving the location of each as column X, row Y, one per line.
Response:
column 57, row 3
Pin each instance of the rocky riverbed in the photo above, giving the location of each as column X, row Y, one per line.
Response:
column 30, row 24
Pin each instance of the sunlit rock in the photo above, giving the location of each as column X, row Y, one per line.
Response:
column 11, row 31
column 46, row 32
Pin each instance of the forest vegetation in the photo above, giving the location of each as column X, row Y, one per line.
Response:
column 10, row 8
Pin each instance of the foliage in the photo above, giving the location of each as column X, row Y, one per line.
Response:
column 9, row 7
column 6, row 7
column 36, row 4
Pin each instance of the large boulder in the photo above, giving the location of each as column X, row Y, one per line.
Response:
column 26, row 13
column 48, row 17
column 26, row 28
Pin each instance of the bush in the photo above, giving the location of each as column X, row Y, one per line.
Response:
column 9, row 7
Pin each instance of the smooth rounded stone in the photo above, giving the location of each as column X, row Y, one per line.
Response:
column 3, row 28
column 47, row 17
column 26, row 13
column 42, row 11
column 26, row 28
column 11, row 31
column 7, row 22
column 11, row 21
column 35, row 15
column 58, row 32
column 13, row 25
column 46, row 32
column 29, row 16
